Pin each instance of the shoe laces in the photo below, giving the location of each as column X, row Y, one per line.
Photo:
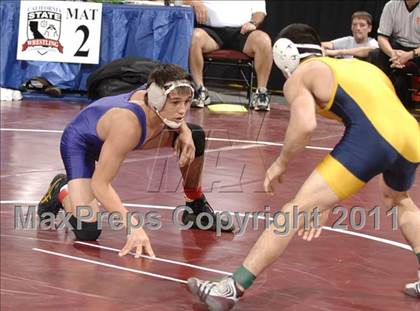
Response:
column 202, row 93
column 262, row 97
column 48, row 195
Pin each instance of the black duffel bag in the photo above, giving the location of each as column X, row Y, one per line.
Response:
column 120, row 76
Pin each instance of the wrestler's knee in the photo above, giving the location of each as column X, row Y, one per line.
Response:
column 85, row 231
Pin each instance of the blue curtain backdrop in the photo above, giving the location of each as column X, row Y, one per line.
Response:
column 159, row 33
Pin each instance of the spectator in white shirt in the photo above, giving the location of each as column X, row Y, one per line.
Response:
column 359, row 45
column 231, row 25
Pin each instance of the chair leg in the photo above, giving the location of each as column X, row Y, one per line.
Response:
column 205, row 66
column 247, row 77
column 249, row 93
column 248, row 81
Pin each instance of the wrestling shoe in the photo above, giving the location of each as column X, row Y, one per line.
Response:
column 413, row 289
column 261, row 100
column 202, row 206
column 218, row 296
column 202, row 98
column 50, row 202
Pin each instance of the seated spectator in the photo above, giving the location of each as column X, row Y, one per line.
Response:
column 399, row 42
column 359, row 45
column 229, row 25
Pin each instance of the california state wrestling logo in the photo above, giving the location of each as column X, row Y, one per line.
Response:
column 43, row 31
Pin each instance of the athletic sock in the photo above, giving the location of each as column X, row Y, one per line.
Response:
column 192, row 194
column 243, row 277
column 63, row 193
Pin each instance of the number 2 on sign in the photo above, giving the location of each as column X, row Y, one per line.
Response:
column 85, row 31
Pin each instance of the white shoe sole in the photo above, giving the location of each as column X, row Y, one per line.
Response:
column 197, row 106
column 262, row 108
column 201, row 104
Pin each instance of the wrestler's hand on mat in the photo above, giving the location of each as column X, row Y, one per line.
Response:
column 275, row 172
column 139, row 240
column 201, row 12
column 312, row 231
column 185, row 148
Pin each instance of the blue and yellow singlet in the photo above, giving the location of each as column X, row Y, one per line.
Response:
column 380, row 136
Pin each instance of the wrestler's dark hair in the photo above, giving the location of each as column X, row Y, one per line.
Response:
column 300, row 33
column 165, row 73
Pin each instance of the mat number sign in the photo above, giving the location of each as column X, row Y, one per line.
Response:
column 60, row 31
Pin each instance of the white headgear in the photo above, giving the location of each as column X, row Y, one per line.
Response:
column 156, row 95
column 156, row 98
column 286, row 55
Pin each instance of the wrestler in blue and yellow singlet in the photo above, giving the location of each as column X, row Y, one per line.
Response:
column 380, row 137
